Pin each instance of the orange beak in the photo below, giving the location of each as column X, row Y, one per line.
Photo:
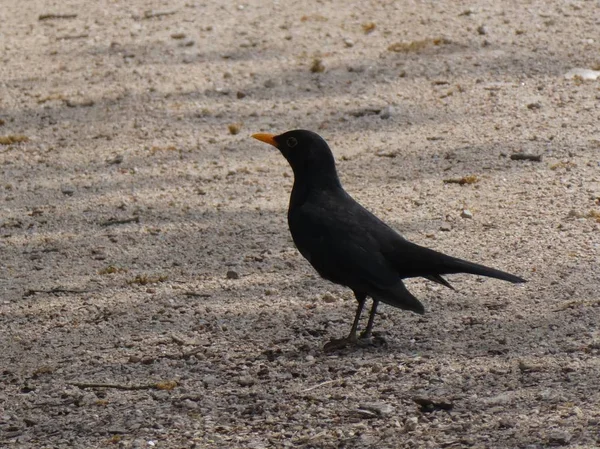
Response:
column 265, row 137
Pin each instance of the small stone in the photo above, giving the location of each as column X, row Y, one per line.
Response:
column 466, row 213
column 115, row 160
column 411, row 424
column 367, row 413
column 387, row 112
column 582, row 74
column 573, row 213
column 234, row 128
column 269, row 83
column 67, row 190
column 379, row 408
column 246, row 381
column 190, row 405
column 329, row 298
column 445, row 227
column 240, row 95
column 317, row 66
column 559, row 437
column 209, row 381
column 535, row 105
column 527, row 366
column 178, row 35
column 482, row 30
column 231, row 274
column 348, row 42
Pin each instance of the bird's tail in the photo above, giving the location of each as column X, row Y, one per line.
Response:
column 450, row 265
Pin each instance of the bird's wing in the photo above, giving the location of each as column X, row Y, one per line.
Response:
column 337, row 239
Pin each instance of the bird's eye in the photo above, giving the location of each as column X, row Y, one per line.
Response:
column 291, row 142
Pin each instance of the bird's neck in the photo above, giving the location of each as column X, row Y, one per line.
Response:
column 307, row 183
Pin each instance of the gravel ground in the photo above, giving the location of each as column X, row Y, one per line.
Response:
column 151, row 295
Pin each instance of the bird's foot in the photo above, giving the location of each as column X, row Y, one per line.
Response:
column 372, row 340
column 336, row 344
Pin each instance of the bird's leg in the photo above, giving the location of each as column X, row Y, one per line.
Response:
column 365, row 337
column 366, row 334
column 351, row 338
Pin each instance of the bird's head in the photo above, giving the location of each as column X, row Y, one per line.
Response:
column 306, row 151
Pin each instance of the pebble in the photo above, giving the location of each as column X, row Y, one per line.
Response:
column 209, row 381
column 115, row 160
column 329, row 298
column 466, row 213
column 269, row 84
column 246, row 381
column 482, row 30
column 584, row 74
column 387, row 112
column 190, row 405
column 231, row 274
column 234, row 128
column 559, row 437
column 411, row 424
column 317, row 66
column 348, row 42
column 379, row 408
column 445, row 227
column 67, row 190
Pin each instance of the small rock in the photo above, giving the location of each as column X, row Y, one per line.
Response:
column 466, row 213
column 528, row 366
column 348, row 42
column 209, row 381
column 67, row 190
column 583, row 74
column 559, row 437
column 231, row 274
column 379, row 408
column 269, row 84
column 367, row 413
column 234, row 128
column 430, row 404
column 387, row 112
column 535, row 105
column 329, row 298
column 246, row 381
column 85, row 103
column 573, row 213
column 411, row 424
column 115, row 160
column 317, row 66
column 445, row 227
column 240, row 95
column 190, row 405
column 501, row 399
column 178, row 35
column 482, row 30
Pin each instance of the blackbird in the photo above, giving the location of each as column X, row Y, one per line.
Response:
column 347, row 244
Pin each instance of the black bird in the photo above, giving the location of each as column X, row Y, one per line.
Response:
column 347, row 244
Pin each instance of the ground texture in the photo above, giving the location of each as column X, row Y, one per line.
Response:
column 151, row 295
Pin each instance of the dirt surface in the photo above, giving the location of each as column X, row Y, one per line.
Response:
column 151, row 295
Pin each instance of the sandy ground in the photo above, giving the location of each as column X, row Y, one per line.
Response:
column 144, row 247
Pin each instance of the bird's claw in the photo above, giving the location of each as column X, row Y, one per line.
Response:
column 336, row 344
